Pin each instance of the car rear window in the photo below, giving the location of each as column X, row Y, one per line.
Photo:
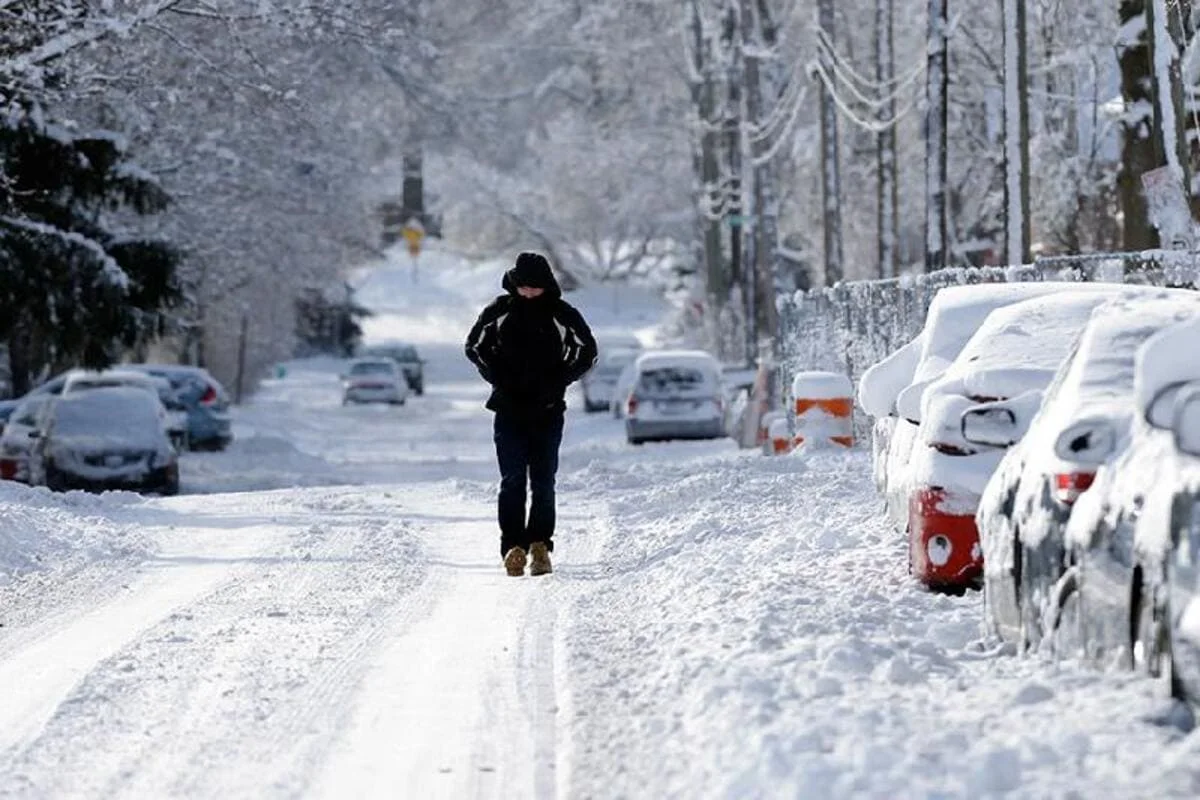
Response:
column 371, row 368
column 672, row 381
column 102, row 412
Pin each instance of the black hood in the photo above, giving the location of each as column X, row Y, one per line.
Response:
column 533, row 270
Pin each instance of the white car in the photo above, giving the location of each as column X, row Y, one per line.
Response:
column 174, row 415
column 676, row 395
column 103, row 439
column 891, row 390
column 16, row 442
column 1122, row 529
column 374, row 380
column 1012, row 357
column 1082, row 427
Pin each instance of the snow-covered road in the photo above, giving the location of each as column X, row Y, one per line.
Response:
column 325, row 615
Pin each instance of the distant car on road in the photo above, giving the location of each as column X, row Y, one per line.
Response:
column 374, row 380
column 407, row 357
column 600, row 383
column 675, row 395
column 104, row 439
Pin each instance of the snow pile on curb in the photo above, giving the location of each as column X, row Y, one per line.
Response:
column 40, row 531
column 758, row 611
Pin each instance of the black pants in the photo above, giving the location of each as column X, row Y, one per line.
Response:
column 527, row 450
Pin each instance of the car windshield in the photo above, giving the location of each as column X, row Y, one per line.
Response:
column 668, row 381
column 371, row 368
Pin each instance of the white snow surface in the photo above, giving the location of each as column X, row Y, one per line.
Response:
column 325, row 616
column 821, row 386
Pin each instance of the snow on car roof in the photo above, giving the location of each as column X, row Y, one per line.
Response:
column 1167, row 358
column 957, row 312
column 675, row 358
column 1103, row 368
column 1019, row 347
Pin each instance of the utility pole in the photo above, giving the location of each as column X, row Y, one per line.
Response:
column 1016, row 135
column 887, row 203
column 734, row 115
column 830, row 178
column 937, row 90
column 707, row 166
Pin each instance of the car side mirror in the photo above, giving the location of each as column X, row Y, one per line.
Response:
column 1187, row 423
column 908, row 402
column 1087, row 442
column 1160, row 411
column 992, row 426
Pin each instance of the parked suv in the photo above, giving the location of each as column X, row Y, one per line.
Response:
column 411, row 363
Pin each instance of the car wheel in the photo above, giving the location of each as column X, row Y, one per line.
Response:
column 1150, row 649
column 634, row 441
column 1066, row 616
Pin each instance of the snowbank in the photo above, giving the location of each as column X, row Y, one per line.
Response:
column 755, row 634
column 41, row 531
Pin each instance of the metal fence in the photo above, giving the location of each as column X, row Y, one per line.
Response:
column 851, row 326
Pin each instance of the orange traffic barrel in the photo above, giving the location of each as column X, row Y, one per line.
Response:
column 824, row 408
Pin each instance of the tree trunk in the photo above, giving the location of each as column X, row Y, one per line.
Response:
column 761, row 39
column 937, row 238
column 735, row 202
column 19, row 358
column 1166, row 35
column 709, row 198
column 1137, row 141
column 887, row 201
column 830, row 177
column 1016, row 134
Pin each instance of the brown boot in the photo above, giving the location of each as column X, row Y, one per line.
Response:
column 540, row 559
column 514, row 561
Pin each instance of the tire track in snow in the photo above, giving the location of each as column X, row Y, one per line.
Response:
column 239, row 691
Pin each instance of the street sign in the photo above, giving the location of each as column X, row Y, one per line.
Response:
column 413, row 233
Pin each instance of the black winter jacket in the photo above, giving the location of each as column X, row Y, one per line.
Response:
column 530, row 349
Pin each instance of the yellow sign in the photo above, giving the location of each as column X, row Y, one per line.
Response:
column 414, row 234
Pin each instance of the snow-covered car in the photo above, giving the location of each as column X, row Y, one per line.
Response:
column 201, row 397
column 374, row 380
column 1119, row 536
column 676, row 395
column 53, row 386
column 1082, row 426
column 406, row 355
column 892, row 389
column 1165, row 589
column 15, row 442
column 174, row 416
column 598, row 386
column 103, row 439
column 1014, row 354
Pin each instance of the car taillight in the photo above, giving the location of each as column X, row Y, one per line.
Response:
column 1069, row 485
column 210, row 396
column 631, row 405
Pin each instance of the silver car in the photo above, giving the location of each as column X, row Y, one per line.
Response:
column 374, row 380
column 675, row 395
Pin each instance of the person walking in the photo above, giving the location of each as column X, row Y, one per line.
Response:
column 529, row 344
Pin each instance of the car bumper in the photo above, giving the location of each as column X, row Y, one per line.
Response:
column 157, row 480
column 674, row 429
column 374, row 395
column 944, row 540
